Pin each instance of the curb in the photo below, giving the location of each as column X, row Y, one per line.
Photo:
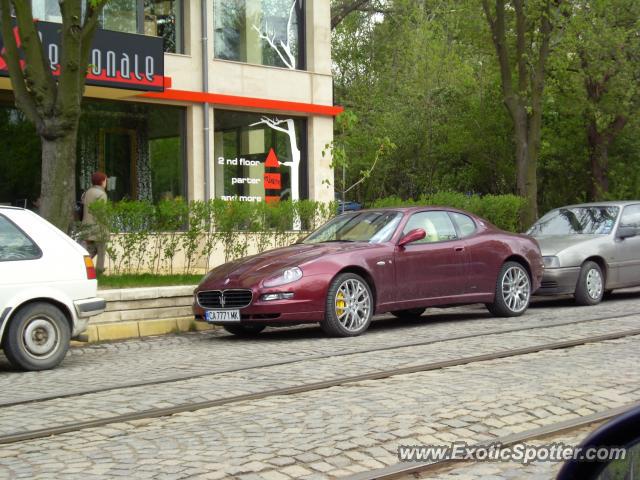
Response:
column 142, row 328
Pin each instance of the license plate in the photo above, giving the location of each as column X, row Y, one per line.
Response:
column 229, row 316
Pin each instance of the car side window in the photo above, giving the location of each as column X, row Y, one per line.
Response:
column 466, row 225
column 630, row 216
column 15, row 244
column 437, row 225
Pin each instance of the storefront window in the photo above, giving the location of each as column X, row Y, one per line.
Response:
column 20, row 161
column 159, row 18
column 264, row 32
column 140, row 147
column 259, row 157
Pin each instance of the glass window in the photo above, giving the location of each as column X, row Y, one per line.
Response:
column 259, row 157
column 139, row 146
column 20, row 158
column 14, row 244
column 47, row 10
column 437, row 225
column 120, row 15
column 630, row 216
column 372, row 227
column 161, row 18
column 466, row 225
column 576, row 221
column 264, row 32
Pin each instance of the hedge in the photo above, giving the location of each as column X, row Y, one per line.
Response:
column 146, row 237
column 504, row 211
column 143, row 236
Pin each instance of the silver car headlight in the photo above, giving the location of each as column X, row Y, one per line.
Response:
column 287, row 276
column 551, row 262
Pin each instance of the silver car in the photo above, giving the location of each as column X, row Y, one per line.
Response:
column 589, row 249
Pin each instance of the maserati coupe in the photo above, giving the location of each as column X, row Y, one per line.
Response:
column 398, row 260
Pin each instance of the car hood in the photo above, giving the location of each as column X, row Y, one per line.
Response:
column 251, row 270
column 554, row 244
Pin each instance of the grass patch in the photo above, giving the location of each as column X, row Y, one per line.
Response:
column 146, row 280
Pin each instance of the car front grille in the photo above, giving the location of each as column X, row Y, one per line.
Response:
column 225, row 298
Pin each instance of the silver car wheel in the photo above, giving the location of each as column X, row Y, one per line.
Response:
column 594, row 284
column 40, row 338
column 352, row 305
column 516, row 289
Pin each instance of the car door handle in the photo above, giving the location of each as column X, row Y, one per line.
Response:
column 459, row 249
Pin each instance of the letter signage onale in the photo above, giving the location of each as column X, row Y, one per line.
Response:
column 118, row 60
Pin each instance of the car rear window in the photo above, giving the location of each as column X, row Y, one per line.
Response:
column 15, row 245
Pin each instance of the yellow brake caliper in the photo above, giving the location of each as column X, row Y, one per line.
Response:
column 340, row 304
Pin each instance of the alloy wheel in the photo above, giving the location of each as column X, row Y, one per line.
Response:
column 516, row 289
column 352, row 304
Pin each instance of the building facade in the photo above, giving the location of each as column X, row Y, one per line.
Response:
column 245, row 111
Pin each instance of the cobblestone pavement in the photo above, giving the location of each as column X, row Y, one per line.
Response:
column 513, row 470
column 339, row 431
column 114, row 364
column 112, row 403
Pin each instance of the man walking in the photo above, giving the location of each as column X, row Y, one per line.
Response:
column 94, row 241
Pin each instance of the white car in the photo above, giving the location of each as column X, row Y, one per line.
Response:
column 47, row 290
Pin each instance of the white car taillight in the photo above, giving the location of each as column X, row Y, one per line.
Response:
column 91, row 271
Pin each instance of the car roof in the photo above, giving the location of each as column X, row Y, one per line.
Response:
column 608, row 203
column 413, row 208
column 9, row 207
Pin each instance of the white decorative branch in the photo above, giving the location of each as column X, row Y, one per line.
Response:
column 284, row 49
column 294, row 164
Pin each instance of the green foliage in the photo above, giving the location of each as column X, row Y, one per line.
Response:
column 141, row 235
column 425, row 75
column 146, row 280
column 504, row 211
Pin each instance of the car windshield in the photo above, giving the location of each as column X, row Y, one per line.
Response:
column 372, row 227
column 576, row 221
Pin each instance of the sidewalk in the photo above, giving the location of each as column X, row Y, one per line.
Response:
column 141, row 312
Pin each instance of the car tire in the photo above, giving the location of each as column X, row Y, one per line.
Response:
column 408, row 314
column 37, row 337
column 244, row 330
column 349, row 306
column 513, row 291
column 590, row 286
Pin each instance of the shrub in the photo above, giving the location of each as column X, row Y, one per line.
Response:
column 504, row 211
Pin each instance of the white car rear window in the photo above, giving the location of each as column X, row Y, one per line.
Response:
column 15, row 245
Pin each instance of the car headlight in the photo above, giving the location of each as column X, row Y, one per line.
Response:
column 551, row 262
column 287, row 276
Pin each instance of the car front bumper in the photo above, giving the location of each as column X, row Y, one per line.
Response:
column 306, row 306
column 559, row 281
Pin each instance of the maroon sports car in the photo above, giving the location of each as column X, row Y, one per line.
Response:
column 398, row 260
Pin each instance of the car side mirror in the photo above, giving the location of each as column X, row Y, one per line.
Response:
column 614, row 450
column 413, row 236
column 627, row 231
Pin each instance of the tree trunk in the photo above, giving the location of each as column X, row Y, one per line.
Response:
column 58, row 190
column 598, row 159
column 526, row 164
column 599, row 142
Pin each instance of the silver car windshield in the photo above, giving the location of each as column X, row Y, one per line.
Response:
column 372, row 227
column 576, row 221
